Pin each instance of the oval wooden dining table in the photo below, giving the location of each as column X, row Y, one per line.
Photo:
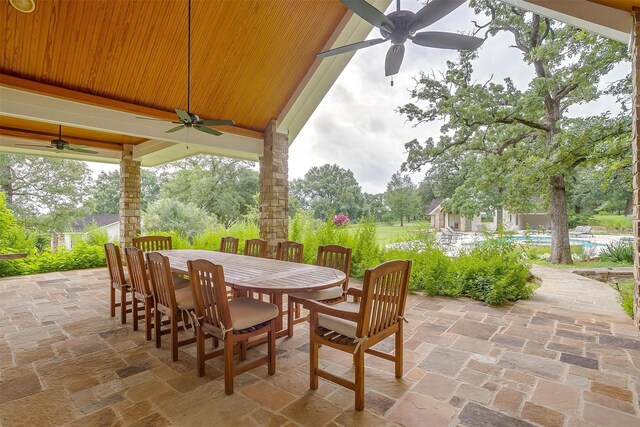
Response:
column 264, row 275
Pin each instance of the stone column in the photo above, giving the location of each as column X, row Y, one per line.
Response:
column 635, row 75
column 129, row 197
column 274, row 189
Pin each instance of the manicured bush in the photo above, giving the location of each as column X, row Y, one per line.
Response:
column 620, row 251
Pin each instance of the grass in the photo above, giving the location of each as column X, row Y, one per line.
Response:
column 625, row 296
column 391, row 233
column 612, row 224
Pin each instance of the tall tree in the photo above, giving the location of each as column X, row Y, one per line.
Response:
column 522, row 138
column 327, row 190
column 47, row 193
column 222, row 187
column 401, row 197
column 106, row 191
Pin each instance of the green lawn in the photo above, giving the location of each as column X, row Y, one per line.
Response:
column 612, row 224
column 391, row 233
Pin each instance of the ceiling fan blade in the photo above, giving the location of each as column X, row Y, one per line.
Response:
column 80, row 150
column 350, row 47
column 175, row 129
column 369, row 13
column 150, row 118
column 394, row 60
column 433, row 12
column 216, row 123
column 184, row 116
column 207, row 130
column 447, row 40
column 33, row 145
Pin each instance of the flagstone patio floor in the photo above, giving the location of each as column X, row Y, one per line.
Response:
column 569, row 357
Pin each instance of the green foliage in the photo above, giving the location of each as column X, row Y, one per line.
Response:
column 171, row 215
column 223, row 188
column 613, row 223
column 619, row 251
column 402, row 197
column 626, row 297
column 211, row 237
column 327, row 190
column 106, row 191
column 12, row 237
column 576, row 220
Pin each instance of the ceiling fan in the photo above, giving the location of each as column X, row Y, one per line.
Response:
column 401, row 25
column 61, row 145
column 187, row 119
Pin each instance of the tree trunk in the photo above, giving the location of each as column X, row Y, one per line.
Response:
column 560, row 246
column 499, row 217
column 578, row 209
column 401, row 223
column 628, row 208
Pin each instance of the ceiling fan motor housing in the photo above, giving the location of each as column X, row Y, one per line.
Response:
column 401, row 19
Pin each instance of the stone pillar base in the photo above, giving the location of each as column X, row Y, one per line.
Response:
column 130, row 207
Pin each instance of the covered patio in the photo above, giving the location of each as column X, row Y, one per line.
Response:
column 569, row 356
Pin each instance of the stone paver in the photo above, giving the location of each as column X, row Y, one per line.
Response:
column 568, row 357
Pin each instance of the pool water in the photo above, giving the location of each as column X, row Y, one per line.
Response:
column 546, row 240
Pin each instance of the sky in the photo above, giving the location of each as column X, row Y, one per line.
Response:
column 357, row 126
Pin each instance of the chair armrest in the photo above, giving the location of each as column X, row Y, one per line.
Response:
column 329, row 310
column 355, row 292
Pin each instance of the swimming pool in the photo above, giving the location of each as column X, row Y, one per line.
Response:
column 546, row 240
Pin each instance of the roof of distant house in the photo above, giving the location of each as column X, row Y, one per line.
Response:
column 101, row 220
column 433, row 205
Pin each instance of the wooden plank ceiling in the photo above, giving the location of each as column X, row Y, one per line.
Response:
column 248, row 56
column 39, row 131
column 626, row 5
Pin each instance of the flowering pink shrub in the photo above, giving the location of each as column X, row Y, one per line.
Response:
column 340, row 220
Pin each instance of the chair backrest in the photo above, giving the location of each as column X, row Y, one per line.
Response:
column 161, row 280
column 338, row 257
column 586, row 229
column 289, row 251
column 256, row 247
column 153, row 243
column 229, row 245
column 209, row 293
column 384, row 295
column 114, row 264
column 445, row 232
column 137, row 270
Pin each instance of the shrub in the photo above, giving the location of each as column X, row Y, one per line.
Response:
column 620, row 251
column 625, row 296
column 212, row 235
column 171, row 215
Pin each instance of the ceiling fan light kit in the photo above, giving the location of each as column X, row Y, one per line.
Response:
column 401, row 25
column 25, row 6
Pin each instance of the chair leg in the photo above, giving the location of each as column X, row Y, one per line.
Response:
column 243, row 350
column 157, row 320
column 174, row 337
column 272, row 347
column 290, row 310
column 123, row 305
column 200, row 340
column 228, row 365
column 360, row 379
column 134, row 311
column 399, row 352
column 148, row 325
column 112, row 301
column 313, row 353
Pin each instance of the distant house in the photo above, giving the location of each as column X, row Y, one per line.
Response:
column 441, row 218
column 109, row 222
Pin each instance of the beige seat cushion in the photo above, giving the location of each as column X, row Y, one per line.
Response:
column 341, row 326
column 247, row 312
column 319, row 295
column 184, row 298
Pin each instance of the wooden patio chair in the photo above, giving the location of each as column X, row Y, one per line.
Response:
column 356, row 327
column 334, row 256
column 117, row 280
column 290, row 251
column 229, row 245
column 231, row 321
column 168, row 301
column 256, row 247
column 153, row 243
column 140, row 289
